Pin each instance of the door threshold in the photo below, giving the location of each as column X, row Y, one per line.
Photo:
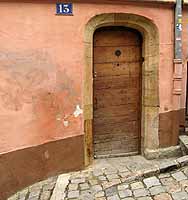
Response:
column 116, row 155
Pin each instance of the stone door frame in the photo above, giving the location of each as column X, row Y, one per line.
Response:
column 150, row 79
column 186, row 83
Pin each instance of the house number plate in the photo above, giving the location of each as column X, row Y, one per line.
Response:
column 64, row 9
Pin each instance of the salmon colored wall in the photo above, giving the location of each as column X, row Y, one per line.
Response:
column 185, row 54
column 41, row 71
column 40, row 76
column 41, row 63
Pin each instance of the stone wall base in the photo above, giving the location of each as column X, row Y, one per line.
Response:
column 174, row 151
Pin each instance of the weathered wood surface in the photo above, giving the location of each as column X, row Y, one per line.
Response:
column 117, row 91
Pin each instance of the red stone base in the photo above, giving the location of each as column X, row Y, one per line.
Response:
column 24, row 167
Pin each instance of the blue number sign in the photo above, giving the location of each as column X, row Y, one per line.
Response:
column 64, row 9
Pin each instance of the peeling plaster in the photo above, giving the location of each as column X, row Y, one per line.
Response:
column 78, row 111
column 66, row 123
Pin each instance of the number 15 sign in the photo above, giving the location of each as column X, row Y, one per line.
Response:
column 64, row 9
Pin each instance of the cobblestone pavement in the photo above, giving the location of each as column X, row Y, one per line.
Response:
column 115, row 179
column 167, row 186
column 42, row 190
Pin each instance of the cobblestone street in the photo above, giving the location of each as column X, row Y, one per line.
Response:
column 166, row 186
column 42, row 190
column 130, row 178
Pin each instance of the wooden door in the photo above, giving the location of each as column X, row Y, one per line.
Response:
column 117, row 91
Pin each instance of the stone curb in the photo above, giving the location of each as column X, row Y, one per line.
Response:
column 60, row 187
column 165, row 167
column 138, row 176
column 162, row 168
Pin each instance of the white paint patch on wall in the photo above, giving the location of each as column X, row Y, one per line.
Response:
column 66, row 123
column 78, row 111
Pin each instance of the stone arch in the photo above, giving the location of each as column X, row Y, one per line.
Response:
column 150, row 80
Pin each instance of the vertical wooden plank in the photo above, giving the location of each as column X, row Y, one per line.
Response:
column 117, row 91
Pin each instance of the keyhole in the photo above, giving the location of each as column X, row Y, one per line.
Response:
column 118, row 53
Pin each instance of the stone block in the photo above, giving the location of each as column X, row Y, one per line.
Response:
column 100, row 194
column 123, row 187
column 111, row 191
column 184, row 139
column 157, row 190
column 179, row 176
column 115, row 197
column 163, row 196
column 166, row 175
column 96, row 188
column 137, row 185
column 173, row 188
column 125, row 193
column 45, row 195
column 73, row 186
column 84, row 186
column 102, row 178
column 167, row 166
column 145, row 198
column 152, row 181
column 183, row 160
column 141, row 193
column 112, row 176
column 151, row 171
column 78, row 180
column 167, row 181
column 180, row 196
column 73, row 194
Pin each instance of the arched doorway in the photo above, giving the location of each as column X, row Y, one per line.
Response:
column 117, row 86
column 150, row 81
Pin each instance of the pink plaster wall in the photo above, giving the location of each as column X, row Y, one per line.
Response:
column 41, row 68
column 185, row 55
column 41, row 83
column 40, row 75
